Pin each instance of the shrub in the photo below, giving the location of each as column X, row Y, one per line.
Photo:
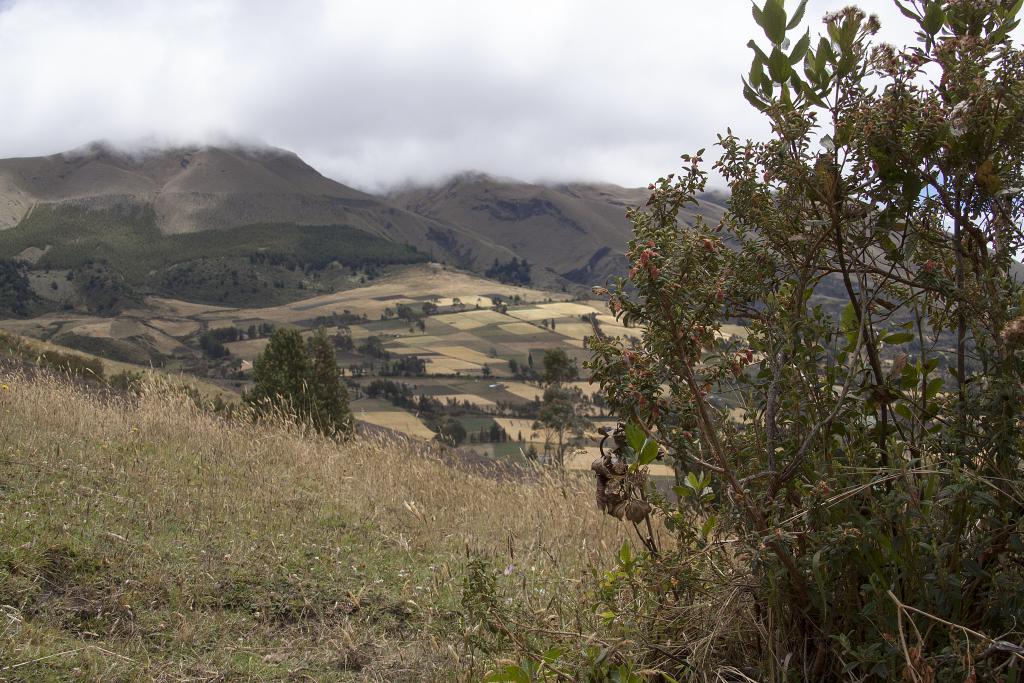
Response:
column 865, row 493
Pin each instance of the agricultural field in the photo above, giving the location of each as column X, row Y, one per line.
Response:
column 472, row 348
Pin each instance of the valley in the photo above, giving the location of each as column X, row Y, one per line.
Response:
column 419, row 346
column 441, row 301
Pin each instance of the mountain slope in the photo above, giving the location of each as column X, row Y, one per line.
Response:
column 232, row 224
column 192, row 190
column 578, row 230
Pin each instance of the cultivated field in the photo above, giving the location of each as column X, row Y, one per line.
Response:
column 468, row 346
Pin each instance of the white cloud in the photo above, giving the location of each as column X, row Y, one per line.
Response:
column 378, row 93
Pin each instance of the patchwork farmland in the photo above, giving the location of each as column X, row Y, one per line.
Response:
column 426, row 351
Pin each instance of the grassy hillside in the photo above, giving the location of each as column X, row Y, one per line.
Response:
column 251, row 263
column 127, row 237
column 199, row 189
column 147, row 541
column 578, row 231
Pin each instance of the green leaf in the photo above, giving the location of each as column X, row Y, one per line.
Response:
column 850, row 324
column 903, row 410
column 754, row 98
column 933, row 387
column 798, row 16
column 708, row 526
column 635, row 436
column 758, row 52
column 934, row 18
column 909, row 377
column 774, row 21
column 907, row 12
column 625, row 555
column 756, row 71
column 778, row 66
column 648, row 453
column 800, row 49
column 898, row 337
column 758, row 15
column 824, row 54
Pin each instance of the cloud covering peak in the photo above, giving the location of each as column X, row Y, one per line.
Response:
column 375, row 94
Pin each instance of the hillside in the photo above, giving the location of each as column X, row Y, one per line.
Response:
column 204, row 205
column 578, row 230
column 146, row 540
column 232, row 224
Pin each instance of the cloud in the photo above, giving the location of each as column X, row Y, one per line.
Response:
column 375, row 94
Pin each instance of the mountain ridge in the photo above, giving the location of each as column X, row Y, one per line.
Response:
column 573, row 234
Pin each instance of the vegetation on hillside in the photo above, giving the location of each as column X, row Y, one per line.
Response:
column 513, row 271
column 16, row 296
column 147, row 540
column 291, row 379
column 863, row 511
column 245, row 264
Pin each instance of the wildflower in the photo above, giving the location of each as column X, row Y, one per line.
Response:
column 5, row 387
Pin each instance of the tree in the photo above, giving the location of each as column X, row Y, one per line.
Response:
column 300, row 382
column 558, row 366
column 874, row 481
column 559, row 415
column 451, row 432
column 329, row 409
column 280, row 373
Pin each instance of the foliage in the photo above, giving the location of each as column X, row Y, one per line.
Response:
column 866, row 485
column 70, row 364
column 513, row 271
column 303, row 383
column 560, row 416
column 127, row 237
column 451, row 432
column 558, row 366
column 103, row 288
column 329, row 409
column 211, row 344
column 16, row 295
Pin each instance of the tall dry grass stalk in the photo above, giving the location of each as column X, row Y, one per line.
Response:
column 166, row 520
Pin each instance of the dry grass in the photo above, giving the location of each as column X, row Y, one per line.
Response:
column 150, row 541
column 442, row 365
column 471, row 320
column 398, row 420
column 473, row 399
column 531, row 314
column 521, row 329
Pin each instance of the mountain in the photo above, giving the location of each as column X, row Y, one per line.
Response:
column 577, row 230
column 185, row 191
column 247, row 225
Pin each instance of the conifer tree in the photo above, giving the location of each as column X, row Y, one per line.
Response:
column 330, row 413
column 280, row 373
column 303, row 382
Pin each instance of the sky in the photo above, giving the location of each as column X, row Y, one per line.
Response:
column 378, row 94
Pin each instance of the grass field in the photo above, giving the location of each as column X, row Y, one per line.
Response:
column 475, row 400
column 151, row 542
column 515, row 426
column 398, row 420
